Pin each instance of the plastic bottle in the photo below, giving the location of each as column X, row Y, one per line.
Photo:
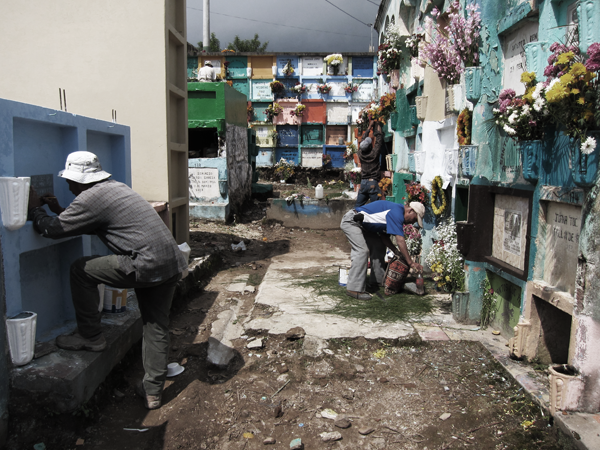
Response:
column 420, row 284
column 319, row 191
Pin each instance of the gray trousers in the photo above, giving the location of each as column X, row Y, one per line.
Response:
column 364, row 244
column 154, row 300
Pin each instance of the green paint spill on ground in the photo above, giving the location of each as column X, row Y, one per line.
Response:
column 394, row 308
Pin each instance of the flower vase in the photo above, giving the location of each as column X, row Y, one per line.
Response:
column 531, row 156
column 584, row 166
column 395, row 78
column 473, row 83
column 468, row 159
column 356, row 187
column 421, row 107
column 356, row 159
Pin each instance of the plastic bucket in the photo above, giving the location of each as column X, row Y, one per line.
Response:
column 21, row 337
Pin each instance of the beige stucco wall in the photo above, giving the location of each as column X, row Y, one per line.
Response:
column 106, row 55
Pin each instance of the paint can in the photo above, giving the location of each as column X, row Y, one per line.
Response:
column 343, row 276
column 115, row 300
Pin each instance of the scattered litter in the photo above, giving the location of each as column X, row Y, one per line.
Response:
column 329, row 414
column 496, row 332
column 445, row 416
column 40, row 446
column 296, row 444
column 329, row 352
column 300, row 425
column 248, row 435
column 241, row 247
column 141, row 430
column 80, row 442
column 474, row 329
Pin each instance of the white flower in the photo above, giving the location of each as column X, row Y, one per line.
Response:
column 513, row 118
column 537, row 91
column 355, row 169
column 588, row 146
column 539, row 104
column 526, row 109
column 509, row 130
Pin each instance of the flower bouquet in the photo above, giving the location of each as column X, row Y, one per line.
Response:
column 350, row 88
column 387, row 104
column 350, row 151
column 299, row 89
column 389, row 53
column 334, row 61
column 324, row 88
column 298, row 110
column 288, row 70
column 523, row 118
column 444, row 259
column 273, row 110
column 414, row 241
column 572, row 91
column 277, row 87
column 326, row 159
column 412, row 44
column 284, row 169
column 453, row 46
column 384, row 184
column 463, row 127
column 354, row 176
column 417, row 193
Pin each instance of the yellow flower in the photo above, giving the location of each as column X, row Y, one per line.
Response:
column 556, row 93
column 567, row 79
column 527, row 77
column 564, row 58
column 575, row 91
column 447, row 278
column 528, row 94
column 581, row 101
column 578, row 69
column 588, row 115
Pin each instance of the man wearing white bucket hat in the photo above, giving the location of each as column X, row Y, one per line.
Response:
column 146, row 258
column 368, row 229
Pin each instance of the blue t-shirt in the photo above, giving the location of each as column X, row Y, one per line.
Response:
column 383, row 217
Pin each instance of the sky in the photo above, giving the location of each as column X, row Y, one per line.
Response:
column 332, row 26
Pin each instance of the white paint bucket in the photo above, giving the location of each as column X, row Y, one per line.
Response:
column 115, row 300
column 343, row 278
column 21, row 337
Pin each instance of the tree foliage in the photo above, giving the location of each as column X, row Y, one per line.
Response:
column 248, row 45
column 214, row 45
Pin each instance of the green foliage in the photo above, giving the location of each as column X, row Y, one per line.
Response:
column 398, row 307
column 214, row 45
column 248, row 45
column 488, row 303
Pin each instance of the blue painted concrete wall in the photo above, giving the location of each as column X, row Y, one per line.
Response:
column 36, row 141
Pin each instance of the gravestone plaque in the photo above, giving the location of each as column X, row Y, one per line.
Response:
column 204, row 183
column 312, row 157
column 356, row 109
column 337, row 89
column 510, row 229
column 337, row 113
column 312, row 65
column 364, row 92
column 43, row 184
column 514, row 55
column 261, row 90
column 362, row 67
column 563, row 225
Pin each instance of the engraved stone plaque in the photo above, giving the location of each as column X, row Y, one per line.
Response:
column 514, row 55
column 312, row 157
column 204, row 183
column 510, row 229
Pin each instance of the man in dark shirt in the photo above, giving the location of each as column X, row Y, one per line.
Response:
column 146, row 258
column 369, row 156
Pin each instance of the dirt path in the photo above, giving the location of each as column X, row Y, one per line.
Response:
column 371, row 394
